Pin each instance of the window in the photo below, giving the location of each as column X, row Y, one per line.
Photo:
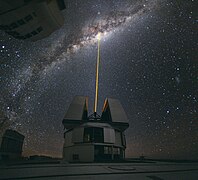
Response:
column 61, row 4
column 5, row 27
column 34, row 33
column 34, row 14
column 28, row 18
column 20, row 37
column 116, row 150
column 13, row 33
column 13, row 26
column 28, row 35
column 93, row 134
column 75, row 156
column 98, row 135
column 88, row 135
column 123, row 139
column 2, row 27
column 107, row 150
column 39, row 29
column 21, row 22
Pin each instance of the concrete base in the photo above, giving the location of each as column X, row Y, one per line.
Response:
column 115, row 171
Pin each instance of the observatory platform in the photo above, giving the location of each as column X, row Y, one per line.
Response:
column 116, row 171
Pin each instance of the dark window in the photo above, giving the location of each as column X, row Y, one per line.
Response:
column 88, row 135
column 98, row 135
column 116, row 150
column 20, row 37
column 34, row 14
column 26, row 1
column 21, row 22
column 28, row 35
column 75, row 157
column 107, row 150
column 9, row 32
column 2, row 27
column 94, row 135
column 39, row 29
column 6, row 28
column 64, row 135
column 34, row 33
column 123, row 139
column 13, row 33
column 61, row 4
column 13, row 26
column 28, row 18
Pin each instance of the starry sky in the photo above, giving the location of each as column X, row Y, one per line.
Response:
column 148, row 62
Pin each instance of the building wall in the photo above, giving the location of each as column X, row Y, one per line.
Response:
column 78, row 149
column 79, row 153
column 77, row 135
column 34, row 21
column 11, row 145
column 7, row 5
column 68, row 139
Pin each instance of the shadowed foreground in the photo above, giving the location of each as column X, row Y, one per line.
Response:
column 142, row 170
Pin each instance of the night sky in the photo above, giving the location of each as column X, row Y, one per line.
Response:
column 149, row 61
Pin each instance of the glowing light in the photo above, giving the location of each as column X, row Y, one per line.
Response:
column 97, row 73
column 98, row 36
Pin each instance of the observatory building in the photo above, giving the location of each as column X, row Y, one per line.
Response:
column 94, row 138
column 31, row 19
column 11, row 145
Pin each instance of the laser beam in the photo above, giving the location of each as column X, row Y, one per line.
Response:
column 97, row 74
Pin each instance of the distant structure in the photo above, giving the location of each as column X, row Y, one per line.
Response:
column 94, row 138
column 31, row 19
column 11, row 145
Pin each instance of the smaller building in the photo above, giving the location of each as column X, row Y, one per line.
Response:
column 31, row 19
column 94, row 138
column 11, row 145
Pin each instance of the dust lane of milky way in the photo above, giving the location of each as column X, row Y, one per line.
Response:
column 107, row 25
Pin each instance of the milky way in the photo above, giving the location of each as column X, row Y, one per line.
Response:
column 107, row 24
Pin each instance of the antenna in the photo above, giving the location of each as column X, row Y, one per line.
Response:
column 97, row 74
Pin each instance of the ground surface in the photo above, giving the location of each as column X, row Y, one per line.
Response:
column 95, row 171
